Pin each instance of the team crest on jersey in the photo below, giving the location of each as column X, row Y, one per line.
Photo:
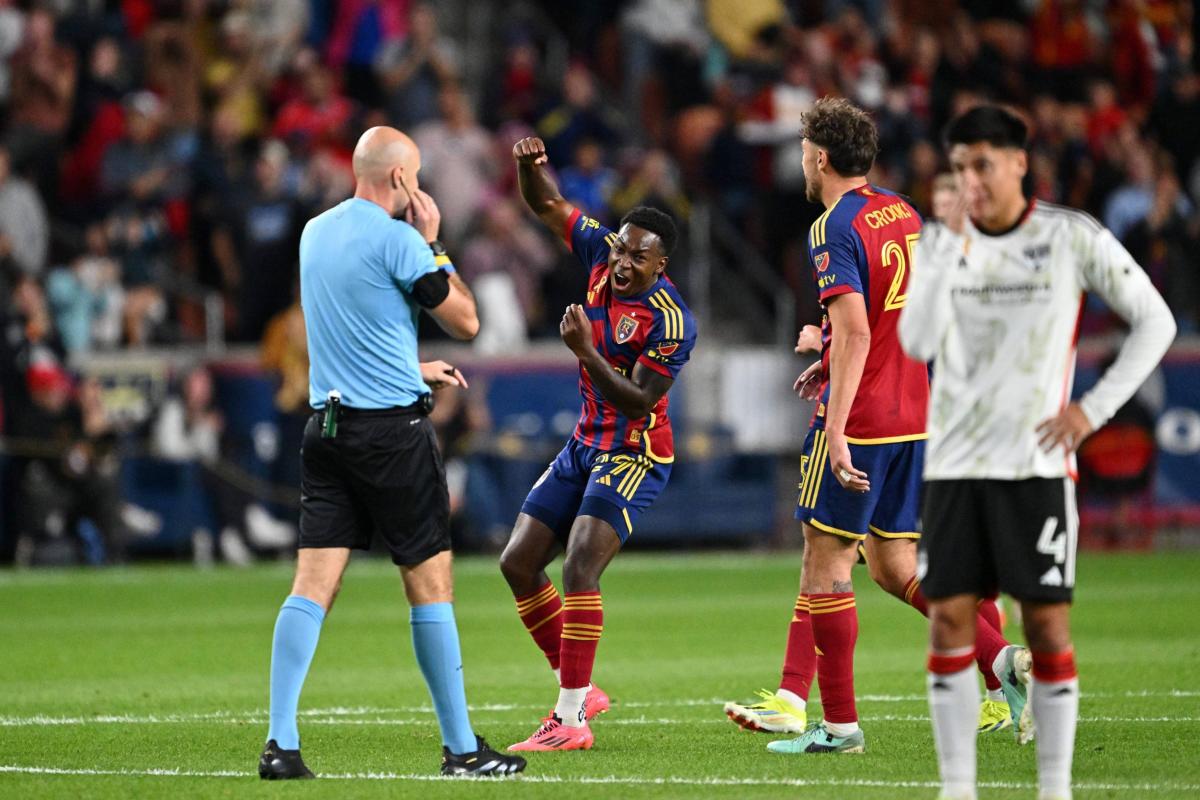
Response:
column 822, row 261
column 626, row 327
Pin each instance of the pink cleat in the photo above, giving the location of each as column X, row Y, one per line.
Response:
column 553, row 735
column 595, row 703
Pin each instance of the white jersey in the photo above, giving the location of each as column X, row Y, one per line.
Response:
column 999, row 318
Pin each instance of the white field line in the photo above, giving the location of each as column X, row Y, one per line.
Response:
column 339, row 714
column 608, row 779
column 309, row 719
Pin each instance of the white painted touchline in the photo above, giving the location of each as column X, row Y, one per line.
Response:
column 609, row 779
column 310, row 719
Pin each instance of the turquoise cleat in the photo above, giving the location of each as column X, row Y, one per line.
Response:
column 1013, row 666
column 818, row 740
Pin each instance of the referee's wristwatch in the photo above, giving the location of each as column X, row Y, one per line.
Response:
column 440, row 259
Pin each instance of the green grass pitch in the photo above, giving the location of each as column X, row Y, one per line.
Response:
column 108, row 677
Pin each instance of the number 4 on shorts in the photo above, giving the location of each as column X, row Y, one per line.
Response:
column 1050, row 544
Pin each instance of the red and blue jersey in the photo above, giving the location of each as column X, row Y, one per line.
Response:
column 864, row 243
column 654, row 328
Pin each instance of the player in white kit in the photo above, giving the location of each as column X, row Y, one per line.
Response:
column 994, row 302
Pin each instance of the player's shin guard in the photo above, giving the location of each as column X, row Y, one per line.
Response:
column 988, row 640
column 1055, row 700
column 835, row 631
column 953, row 708
column 800, row 660
column 582, row 625
column 541, row 613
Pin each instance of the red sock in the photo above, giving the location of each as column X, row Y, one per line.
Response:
column 915, row 597
column 835, row 630
column 988, row 641
column 541, row 612
column 991, row 612
column 988, row 644
column 1054, row 667
column 582, row 624
column 800, row 663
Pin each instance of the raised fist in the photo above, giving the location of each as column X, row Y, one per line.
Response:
column 530, row 150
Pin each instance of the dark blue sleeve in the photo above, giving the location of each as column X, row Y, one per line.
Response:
column 588, row 239
column 837, row 256
column 671, row 339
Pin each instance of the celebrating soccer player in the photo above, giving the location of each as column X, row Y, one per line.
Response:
column 632, row 337
column 863, row 454
column 995, row 300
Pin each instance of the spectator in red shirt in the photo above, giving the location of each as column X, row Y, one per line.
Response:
column 319, row 115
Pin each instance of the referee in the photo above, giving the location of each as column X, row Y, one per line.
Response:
column 370, row 462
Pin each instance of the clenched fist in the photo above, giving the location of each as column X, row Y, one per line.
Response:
column 530, row 150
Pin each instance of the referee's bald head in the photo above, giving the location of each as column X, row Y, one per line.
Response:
column 386, row 163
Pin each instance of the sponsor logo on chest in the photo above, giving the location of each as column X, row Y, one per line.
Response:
column 1036, row 257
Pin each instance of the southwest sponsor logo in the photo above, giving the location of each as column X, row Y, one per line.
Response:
column 665, row 349
column 822, row 261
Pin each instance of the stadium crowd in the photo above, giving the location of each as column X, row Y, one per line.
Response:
column 158, row 154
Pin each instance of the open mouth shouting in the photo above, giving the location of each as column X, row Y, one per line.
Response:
column 622, row 280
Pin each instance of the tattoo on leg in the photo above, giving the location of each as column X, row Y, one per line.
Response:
column 841, row 587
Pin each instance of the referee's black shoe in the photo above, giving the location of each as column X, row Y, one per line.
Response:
column 277, row 764
column 483, row 762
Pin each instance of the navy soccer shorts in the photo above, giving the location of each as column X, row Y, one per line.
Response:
column 616, row 486
column 891, row 510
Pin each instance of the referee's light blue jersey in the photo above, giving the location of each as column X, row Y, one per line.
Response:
column 357, row 268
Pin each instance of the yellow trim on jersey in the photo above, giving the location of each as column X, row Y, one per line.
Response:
column 910, row 437
column 670, row 303
column 672, row 314
column 887, row 535
column 858, row 537
column 667, row 321
column 628, row 521
column 646, row 441
column 817, row 232
column 441, row 261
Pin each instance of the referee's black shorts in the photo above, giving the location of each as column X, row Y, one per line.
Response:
column 382, row 474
